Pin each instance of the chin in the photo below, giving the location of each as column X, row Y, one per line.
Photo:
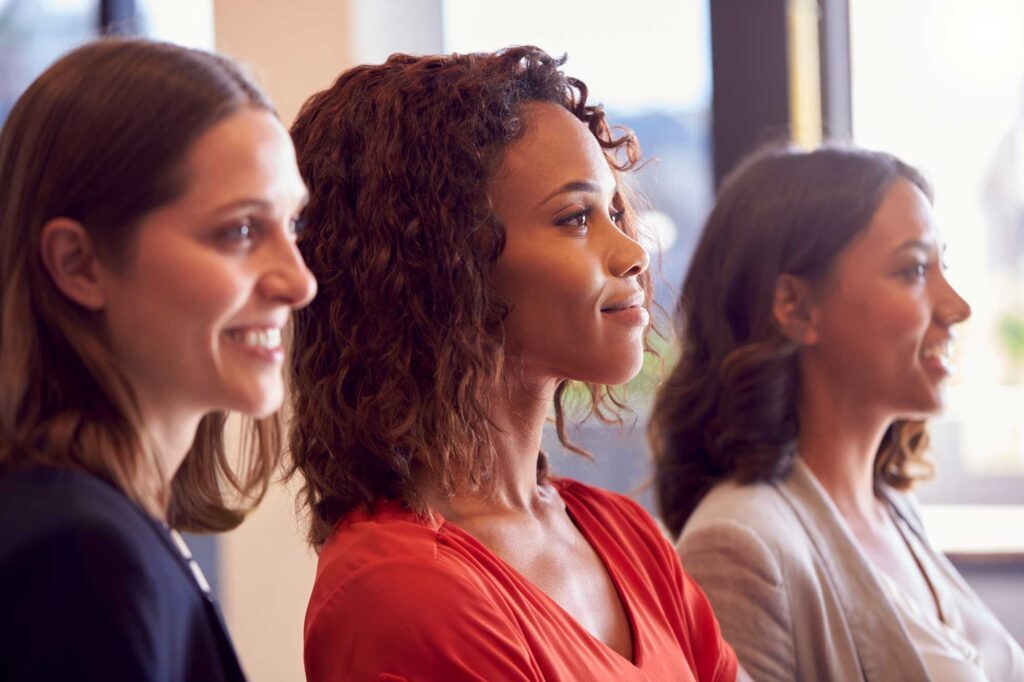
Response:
column 260, row 403
column 925, row 409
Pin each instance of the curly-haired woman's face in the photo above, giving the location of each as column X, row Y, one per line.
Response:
column 885, row 314
column 568, row 269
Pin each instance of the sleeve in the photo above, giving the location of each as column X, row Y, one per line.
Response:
column 714, row 658
column 79, row 606
column 741, row 577
column 405, row 620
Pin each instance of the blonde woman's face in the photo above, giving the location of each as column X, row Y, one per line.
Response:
column 885, row 316
column 568, row 269
column 195, row 318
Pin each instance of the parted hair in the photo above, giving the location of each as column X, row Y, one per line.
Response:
column 400, row 355
column 728, row 409
column 100, row 138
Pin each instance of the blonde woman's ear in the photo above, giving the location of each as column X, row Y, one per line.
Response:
column 68, row 256
column 793, row 309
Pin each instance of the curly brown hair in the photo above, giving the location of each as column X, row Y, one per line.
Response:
column 728, row 409
column 400, row 356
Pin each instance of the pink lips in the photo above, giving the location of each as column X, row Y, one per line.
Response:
column 628, row 311
column 634, row 317
column 258, row 342
column 937, row 366
column 935, row 358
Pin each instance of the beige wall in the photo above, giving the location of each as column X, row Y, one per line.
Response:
column 296, row 48
column 266, row 570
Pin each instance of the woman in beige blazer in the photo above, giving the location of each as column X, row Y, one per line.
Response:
column 817, row 324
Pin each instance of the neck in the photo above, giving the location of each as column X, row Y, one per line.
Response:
column 838, row 441
column 517, row 420
column 171, row 434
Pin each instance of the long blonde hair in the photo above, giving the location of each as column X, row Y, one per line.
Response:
column 100, row 138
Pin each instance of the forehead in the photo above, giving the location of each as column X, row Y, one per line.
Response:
column 904, row 215
column 245, row 152
column 555, row 148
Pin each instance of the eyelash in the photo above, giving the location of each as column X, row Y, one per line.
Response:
column 584, row 216
column 243, row 233
column 240, row 232
column 915, row 273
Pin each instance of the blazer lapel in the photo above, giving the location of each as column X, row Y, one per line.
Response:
column 885, row 650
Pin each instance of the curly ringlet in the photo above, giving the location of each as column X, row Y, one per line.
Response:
column 728, row 409
column 399, row 357
column 100, row 137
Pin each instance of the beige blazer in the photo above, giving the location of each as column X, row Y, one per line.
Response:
column 798, row 600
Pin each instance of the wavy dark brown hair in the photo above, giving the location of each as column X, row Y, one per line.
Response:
column 100, row 138
column 728, row 409
column 399, row 357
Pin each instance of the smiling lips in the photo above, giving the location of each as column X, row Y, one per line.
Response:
column 938, row 357
column 265, row 342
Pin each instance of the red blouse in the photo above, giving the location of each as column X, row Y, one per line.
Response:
column 402, row 597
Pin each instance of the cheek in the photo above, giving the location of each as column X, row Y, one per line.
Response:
column 186, row 295
column 548, row 292
column 880, row 329
column 897, row 316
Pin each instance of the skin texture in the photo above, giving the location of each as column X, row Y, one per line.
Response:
column 220, row 258
column 867, row 331
column 565, row 260
column 887, row 300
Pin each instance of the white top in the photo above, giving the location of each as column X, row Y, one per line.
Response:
column 941, row 642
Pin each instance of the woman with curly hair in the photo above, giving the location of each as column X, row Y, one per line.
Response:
column 816, row 323
column 476, row 252
column 148, row 196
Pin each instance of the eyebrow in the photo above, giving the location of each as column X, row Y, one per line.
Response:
column 918, row 244
column 254, row 202
column 574, row 186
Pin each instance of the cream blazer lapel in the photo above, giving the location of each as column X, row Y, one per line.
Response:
column 1002, row 656
column 884, row 647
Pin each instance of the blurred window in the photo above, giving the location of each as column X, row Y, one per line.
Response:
column 33, row 33
column 940, row 84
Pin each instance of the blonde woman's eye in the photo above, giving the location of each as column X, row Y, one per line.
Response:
column 617, row 216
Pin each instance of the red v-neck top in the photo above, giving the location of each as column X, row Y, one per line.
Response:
column 402, row 597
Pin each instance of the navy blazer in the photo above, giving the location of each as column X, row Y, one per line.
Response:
column 93, row 588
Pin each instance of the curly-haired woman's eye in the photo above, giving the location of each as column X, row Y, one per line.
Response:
column 577, row 220
column 617, row 216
